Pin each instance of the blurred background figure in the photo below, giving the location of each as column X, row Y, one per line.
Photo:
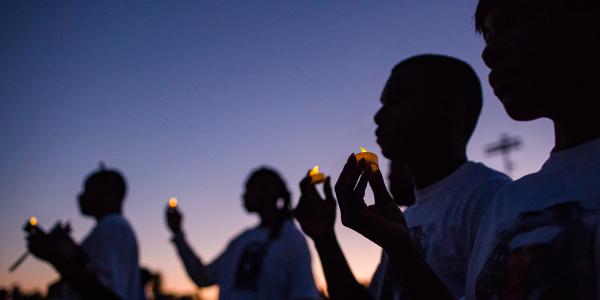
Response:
column 268, row 261
column 105, row 265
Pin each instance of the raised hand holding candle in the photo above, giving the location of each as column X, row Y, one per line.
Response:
column 31, row 228
column 369, row 157
column 316, row 176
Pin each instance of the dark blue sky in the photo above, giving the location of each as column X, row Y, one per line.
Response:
column 186, row 97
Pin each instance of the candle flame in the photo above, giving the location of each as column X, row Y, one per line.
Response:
column 33, row 221
column 173, row 202
column 363, row 150
column 314, row 171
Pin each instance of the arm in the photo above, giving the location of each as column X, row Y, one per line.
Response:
column 341, row 283
column 383, row 223
column 194, row 266
column 317, row 218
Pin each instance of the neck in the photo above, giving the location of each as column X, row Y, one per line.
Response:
column 102, row 215
column 571, row 133
column 270, row 218
column 432, row 169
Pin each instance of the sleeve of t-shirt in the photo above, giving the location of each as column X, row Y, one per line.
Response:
column 475, row 209
column 111, row 261
column 302, row 284
column 376, row 280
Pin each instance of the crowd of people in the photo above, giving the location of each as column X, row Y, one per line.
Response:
column 468, row 232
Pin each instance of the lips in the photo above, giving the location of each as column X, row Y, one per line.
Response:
column 501, row 82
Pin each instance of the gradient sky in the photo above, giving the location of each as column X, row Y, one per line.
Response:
column 186, row 97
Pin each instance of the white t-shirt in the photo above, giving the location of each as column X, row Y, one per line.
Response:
column 444, row 221
column 282, row 267
column 539, row 238
column 112, row 250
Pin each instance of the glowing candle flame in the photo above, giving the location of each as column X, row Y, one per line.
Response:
column 173, row 202
column 33, row 221
column 314, row 171
column 363, row 150
column 316, row 176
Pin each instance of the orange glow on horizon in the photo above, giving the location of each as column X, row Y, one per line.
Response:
column 33, row 221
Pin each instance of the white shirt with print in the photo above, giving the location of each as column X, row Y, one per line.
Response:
column 539, row 238
column 444, row 221
column 285, row 270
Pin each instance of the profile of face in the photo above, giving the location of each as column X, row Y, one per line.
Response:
column 90, row 199
column 259, row 194
column 407, row 123
column 538, row 55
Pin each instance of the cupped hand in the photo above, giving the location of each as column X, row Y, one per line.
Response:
column 315, row 214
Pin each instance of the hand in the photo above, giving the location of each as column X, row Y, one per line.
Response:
column 54, row 247
column 381, row 222
column 174, row 219
column 315, row 215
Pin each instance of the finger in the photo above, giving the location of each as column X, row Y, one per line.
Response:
column 361, row 187
column 309, row 190
column 305, row 182
column 355, row 173
column 379, row 189
column 350, row 162
column 327, row 189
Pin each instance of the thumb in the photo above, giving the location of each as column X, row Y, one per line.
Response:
column 328, row 192
column 379, row 189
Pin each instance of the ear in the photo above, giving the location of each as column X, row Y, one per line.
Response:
column 280, row 203
column 450, row 111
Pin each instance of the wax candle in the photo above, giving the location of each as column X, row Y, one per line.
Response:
column 316, row 176
column 369, row 157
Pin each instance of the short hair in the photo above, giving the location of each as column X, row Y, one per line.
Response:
column 484, row 7
column 110, row 181
column 451, row 77
column 280, row 187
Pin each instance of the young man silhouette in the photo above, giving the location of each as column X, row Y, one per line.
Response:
column 540, row 238
column 268, row 261
column 105, row 265
column 431, row 105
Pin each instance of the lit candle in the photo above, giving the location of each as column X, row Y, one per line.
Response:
column 315, row 176
column 369, row 158
column 172, row 203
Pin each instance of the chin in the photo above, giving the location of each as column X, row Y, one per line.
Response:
column 520, row 112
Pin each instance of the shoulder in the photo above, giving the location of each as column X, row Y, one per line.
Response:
column 114, row 227
column 292, row 236
column 483, row 173
column 485, row 182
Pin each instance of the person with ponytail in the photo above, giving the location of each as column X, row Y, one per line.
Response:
column 268, row 261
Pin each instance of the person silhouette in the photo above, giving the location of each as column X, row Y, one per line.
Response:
column 268, row 261
column 431, row 104
column 105, row 264
column 540, row 238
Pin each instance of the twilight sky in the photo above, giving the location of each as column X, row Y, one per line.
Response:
column 186, row 97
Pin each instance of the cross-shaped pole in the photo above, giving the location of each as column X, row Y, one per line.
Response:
column 504, row 147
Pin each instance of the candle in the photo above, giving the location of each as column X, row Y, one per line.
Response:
column 316, row 176
column 369, row 157
column 172, row 203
